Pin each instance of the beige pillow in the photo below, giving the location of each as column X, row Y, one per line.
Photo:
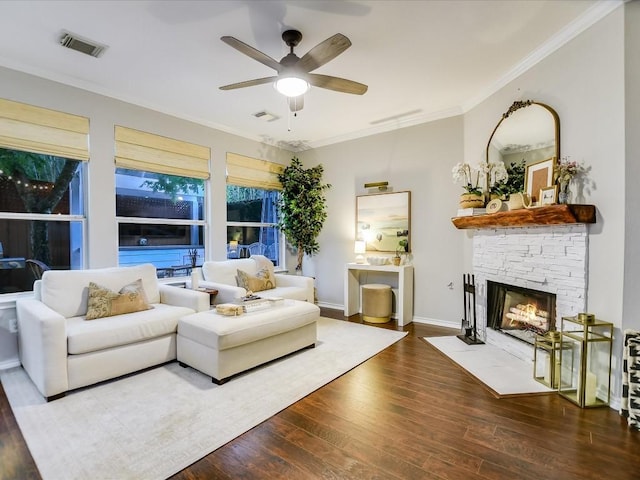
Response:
column 104, row 302
column 263, row 280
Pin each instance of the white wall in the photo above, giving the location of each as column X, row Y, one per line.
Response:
column 418, row 159
column 631, row 312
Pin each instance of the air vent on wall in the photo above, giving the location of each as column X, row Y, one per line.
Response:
column 82, row 45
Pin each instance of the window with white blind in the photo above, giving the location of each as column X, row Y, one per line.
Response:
column 43, row 154
column 253, row 193
column 160, row 201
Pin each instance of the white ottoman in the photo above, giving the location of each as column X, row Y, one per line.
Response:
column 222, row 346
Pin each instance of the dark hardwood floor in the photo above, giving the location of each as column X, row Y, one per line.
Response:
column 407, row 413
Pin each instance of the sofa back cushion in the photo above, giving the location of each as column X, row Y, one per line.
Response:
column 66, row 291
column 226, row 270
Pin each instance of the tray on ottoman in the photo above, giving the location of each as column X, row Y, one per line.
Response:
column 222, row 346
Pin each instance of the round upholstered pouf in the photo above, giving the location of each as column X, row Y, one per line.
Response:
column 376, row 303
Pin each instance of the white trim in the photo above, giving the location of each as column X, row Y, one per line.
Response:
column 594, row 14
column 162, row 221
column 7, row 364
column 437, row 322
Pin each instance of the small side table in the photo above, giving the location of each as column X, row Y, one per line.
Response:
column 211, row 291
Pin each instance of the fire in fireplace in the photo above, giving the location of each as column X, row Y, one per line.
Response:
column 520, row 312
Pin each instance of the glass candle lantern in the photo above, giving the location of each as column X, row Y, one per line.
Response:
column 546, row 358
column 585, row 365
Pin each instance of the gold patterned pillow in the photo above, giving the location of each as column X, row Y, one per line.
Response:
column 104, row 302
column 262, row 280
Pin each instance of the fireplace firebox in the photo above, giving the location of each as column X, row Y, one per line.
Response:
column 520, row 312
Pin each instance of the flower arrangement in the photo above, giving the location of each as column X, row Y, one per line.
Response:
column 497, row 176
column 463, row 173
column 566, row 170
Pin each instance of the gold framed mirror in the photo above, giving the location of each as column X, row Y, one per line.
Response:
column 529, row 131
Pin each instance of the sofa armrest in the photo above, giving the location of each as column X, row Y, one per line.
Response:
column 226, row 293
column 42, row 340
column 184, row 297
column 284, row 280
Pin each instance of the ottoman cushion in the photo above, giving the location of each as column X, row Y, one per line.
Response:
column 221, row 332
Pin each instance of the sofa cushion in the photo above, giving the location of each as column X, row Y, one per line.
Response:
column 85, row 337
column 293, row 293
column 226, row 270
column 66, row 291
column 262, row 280
column 104, row 302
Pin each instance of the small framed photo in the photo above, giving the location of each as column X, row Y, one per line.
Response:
column 548, row 195
column 538, row 175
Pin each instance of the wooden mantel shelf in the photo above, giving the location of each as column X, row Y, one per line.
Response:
column 527, row 217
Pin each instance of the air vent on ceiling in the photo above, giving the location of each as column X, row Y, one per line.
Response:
column 82, row 45
column 266, row 116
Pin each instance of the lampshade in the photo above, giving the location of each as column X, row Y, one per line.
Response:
column 291, row 86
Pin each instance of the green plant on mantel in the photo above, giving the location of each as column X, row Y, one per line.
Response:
column 515, row 180
column 302, row 207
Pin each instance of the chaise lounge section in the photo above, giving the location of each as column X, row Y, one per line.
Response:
column 62, row 350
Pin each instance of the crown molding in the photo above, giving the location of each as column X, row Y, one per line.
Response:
column 593, row 15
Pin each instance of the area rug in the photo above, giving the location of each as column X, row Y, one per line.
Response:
column 503, row 373
column 153, row 424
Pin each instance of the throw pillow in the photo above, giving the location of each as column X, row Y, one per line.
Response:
column 256, row 283
column 104, row 302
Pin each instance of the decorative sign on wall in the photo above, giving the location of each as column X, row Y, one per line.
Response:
column 383, row 221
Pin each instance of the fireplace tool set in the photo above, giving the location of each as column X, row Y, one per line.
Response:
column 470, row 335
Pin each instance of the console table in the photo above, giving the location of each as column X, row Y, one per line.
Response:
column 400, row 278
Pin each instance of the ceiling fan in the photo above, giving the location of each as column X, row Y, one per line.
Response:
column 294, row 77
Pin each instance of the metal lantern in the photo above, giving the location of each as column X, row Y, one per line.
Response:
column 546, row 358
column 585, row 365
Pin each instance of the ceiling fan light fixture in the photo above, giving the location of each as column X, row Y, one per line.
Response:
column 291, row 86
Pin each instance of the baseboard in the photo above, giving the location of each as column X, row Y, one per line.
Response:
column 7, row 364
column 437, row 322
column 333, row 306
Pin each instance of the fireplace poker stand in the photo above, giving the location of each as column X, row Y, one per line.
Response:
column 470, row 336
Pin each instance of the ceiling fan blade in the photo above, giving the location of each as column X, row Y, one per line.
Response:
column 296, row 103
column 337, row 84
column 252, row 52
column 249, row 83
column 324, row 52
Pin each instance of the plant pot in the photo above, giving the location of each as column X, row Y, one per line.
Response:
column 471, row 200
column 396, row 261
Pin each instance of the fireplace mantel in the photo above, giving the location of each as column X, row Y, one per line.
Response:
column 527, row 217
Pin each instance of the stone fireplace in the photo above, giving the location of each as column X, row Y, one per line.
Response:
column 548, row 260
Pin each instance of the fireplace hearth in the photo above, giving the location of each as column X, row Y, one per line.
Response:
column 520, row 312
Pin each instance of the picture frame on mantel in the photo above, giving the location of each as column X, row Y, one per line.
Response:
column 549, row 195
column 538, row 176
column 383, row 220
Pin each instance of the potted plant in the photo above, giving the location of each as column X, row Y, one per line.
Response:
column 463, row 173
column 400, row 250
column 302, row 207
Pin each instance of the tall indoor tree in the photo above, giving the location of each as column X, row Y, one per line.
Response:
column 302, row 207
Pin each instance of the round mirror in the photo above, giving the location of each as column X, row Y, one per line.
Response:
column 527, row 133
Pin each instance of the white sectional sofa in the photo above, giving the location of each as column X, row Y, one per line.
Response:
column 222, row 275
column 61, row 350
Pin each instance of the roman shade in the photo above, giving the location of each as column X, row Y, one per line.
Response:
column 136, row 150
column 254, row 173
column 40, row 130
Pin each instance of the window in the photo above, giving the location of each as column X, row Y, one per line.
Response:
column 160, row 201
column 43, row 154
column 252, row 223
column 252, row 208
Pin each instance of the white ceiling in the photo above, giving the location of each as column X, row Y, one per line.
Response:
column 422, row 60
